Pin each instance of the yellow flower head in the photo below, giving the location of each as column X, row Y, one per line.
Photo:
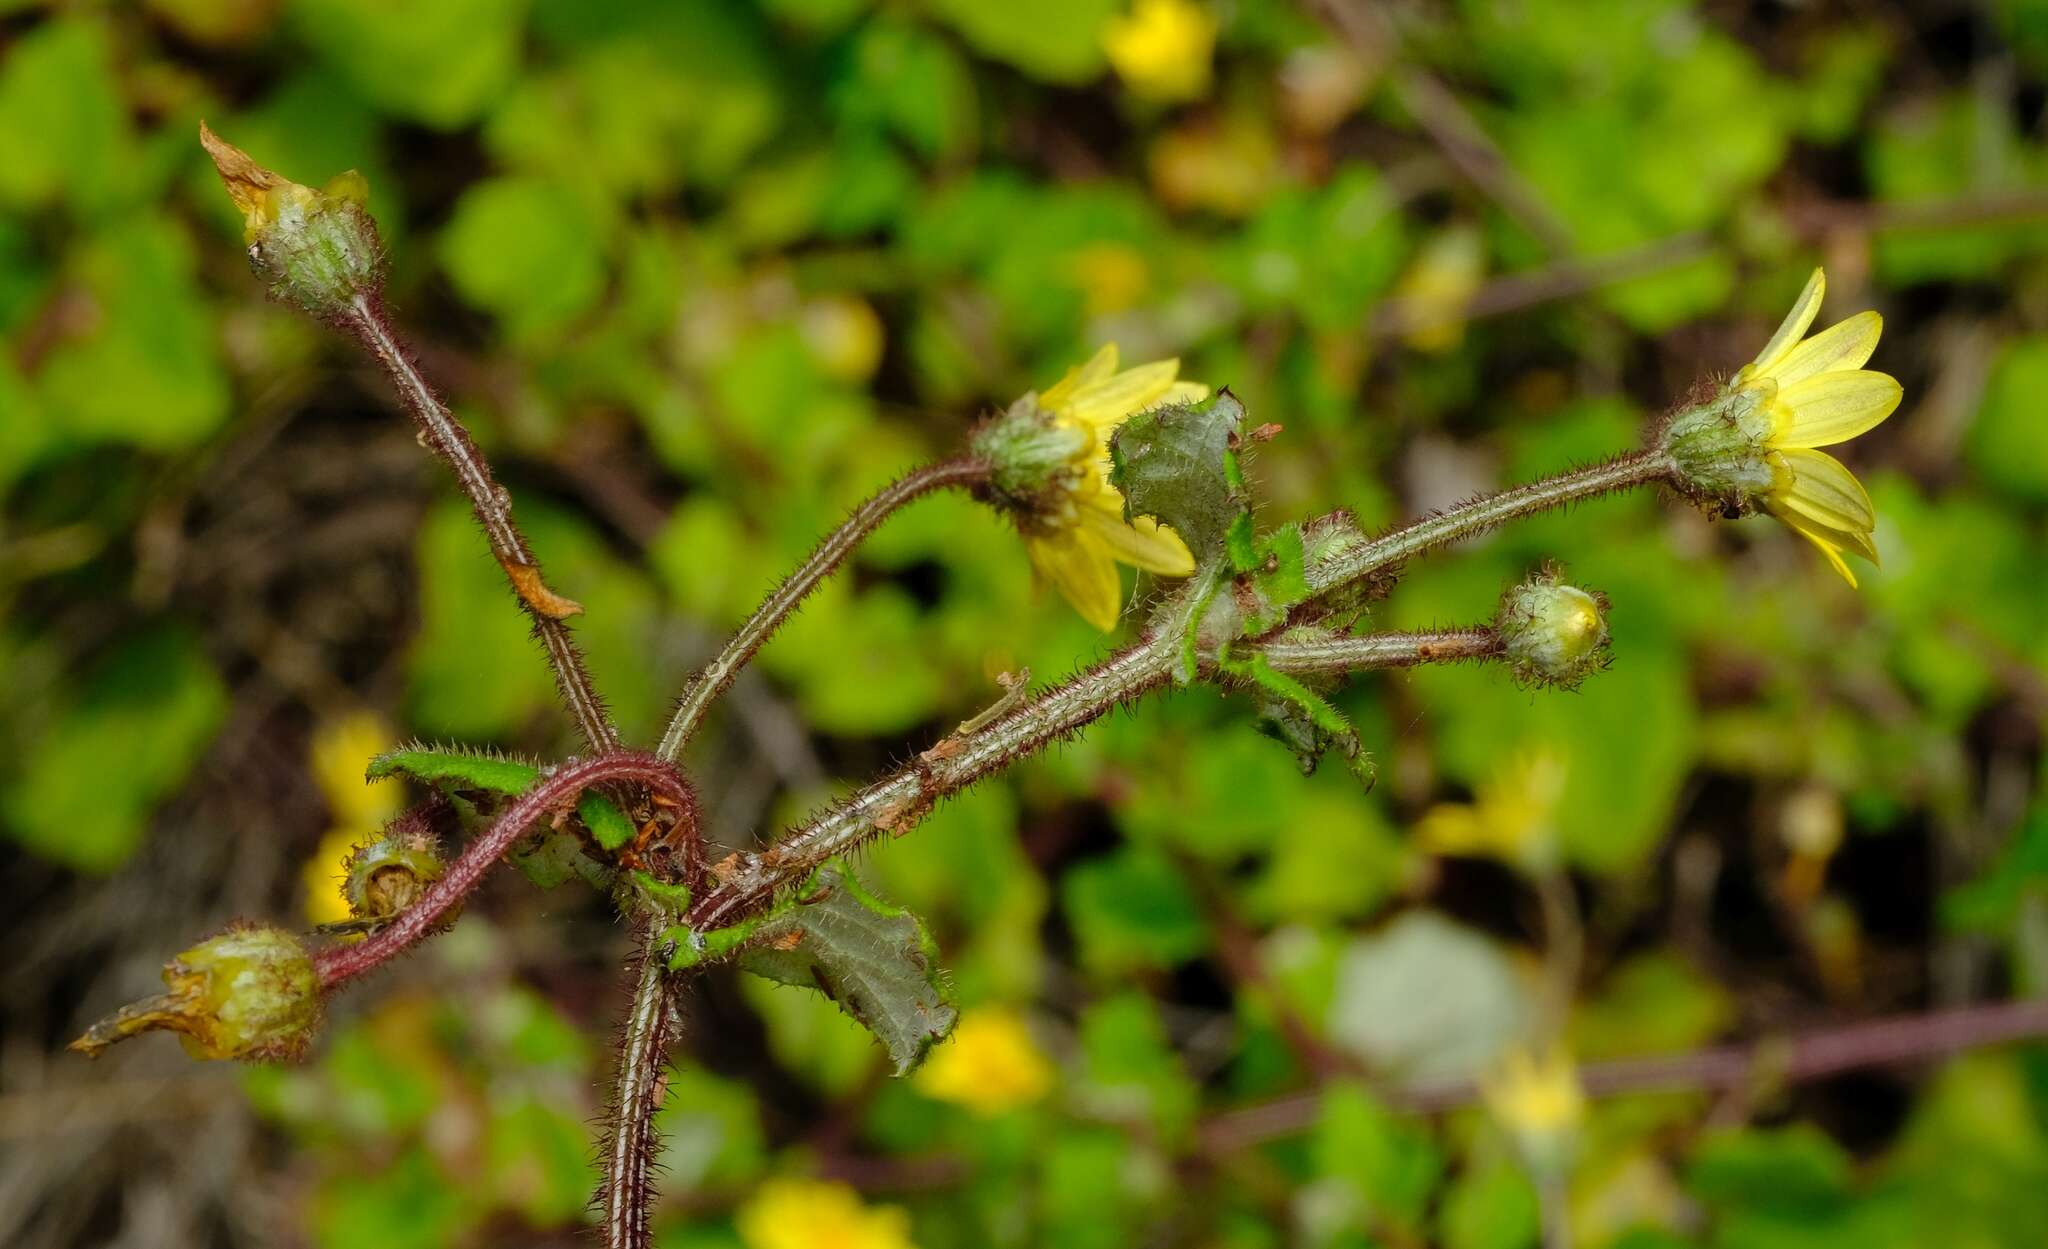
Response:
column 1163, row 49
column 813, row 1214
column 1817, row 393
column 989, row 1065
column 1512, row 818
column 1539, row 1101
column 1052, row 457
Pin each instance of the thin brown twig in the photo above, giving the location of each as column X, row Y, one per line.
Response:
column 1791, row 1059
column 1444, row 117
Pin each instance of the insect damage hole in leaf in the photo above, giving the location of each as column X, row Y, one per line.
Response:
column 874, row 959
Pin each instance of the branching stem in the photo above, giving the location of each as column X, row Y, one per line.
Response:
column 441, row 433
column 553, row 794
column 715, row 677
column 897, row 802
column 1638, row 468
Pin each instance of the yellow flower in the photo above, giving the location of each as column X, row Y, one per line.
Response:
column 1163, row 49
column 989, row 1065
column 1816, row 393
column 812, row 1214
column 340, row 752
column 1513, row 817
column 1075, row 532
column 1539, row 1101
column 1438, row 287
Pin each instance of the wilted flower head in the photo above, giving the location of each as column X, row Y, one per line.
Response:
column 251, row 992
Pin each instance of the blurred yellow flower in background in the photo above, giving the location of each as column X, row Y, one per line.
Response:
column 989, row 1065
column 1163, row 50
column 1438, row 287
column 340, row 753
column 813, row 1214
column 1076, row 537
column 1540, row 1102
column 1512, row 817
column 1816, row 394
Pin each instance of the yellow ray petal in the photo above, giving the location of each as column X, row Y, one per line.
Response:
column 1823, row 490
column 1827, row 548
column 1103, row 405
column 1083, row 572
column 1794, row 325
column 1833, row 407
column 1843, row 345
column 1143, row 543
column 1100, row 365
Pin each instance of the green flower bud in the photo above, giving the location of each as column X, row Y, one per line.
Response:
column 1553, row 634
column 1721, row 449
column 1030, row 451
column 389, row 874
column 251, row 992
column 318, row 249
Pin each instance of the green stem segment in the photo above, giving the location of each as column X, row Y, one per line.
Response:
column 441, row 433
column 715, row 677
column 895, row 804
column 629, row 1151
column 1638, row 468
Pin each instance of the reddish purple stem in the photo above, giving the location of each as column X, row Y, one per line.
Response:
column 556, row 791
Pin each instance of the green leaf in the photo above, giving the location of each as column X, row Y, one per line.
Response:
column 1054, row 40
column 874, row 959
column 1491, row 1206
column 456, row 770
column 1131, row 1073
column 1171, row 463
column 91, row 778
column 63, row 130
column 439, row 62
column 1132, row 911
column 148, row 370
column 2008, row 442
column 1387, row 1161
column 526, row 250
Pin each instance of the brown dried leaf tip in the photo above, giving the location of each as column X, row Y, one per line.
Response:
column 534, row 592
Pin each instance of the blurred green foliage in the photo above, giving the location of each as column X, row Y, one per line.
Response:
column 747, row 261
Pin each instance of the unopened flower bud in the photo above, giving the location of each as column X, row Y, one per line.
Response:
column 1553, row 633
column 251, row 992
column 318, row 249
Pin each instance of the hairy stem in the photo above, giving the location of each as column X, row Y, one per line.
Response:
column 715, row 677
column 895, row 804
column 1638, row 468
column 441, row 433
column 553, row 794
column 631, row 1140
column 1382, row 650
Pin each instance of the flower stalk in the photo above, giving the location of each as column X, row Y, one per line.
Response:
column 717, row 676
